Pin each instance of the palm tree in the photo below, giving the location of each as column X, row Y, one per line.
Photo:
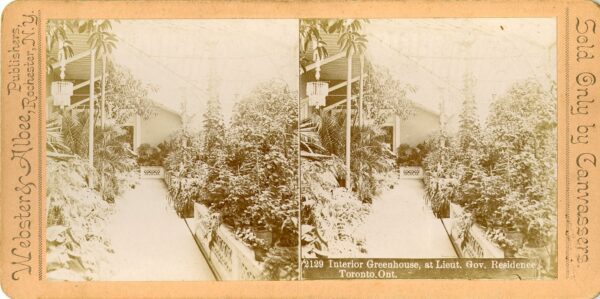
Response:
column 101, row 43
column 112, row 150
column 351, row 41
column 56, row 34
column 310, row 36
column 370, row 153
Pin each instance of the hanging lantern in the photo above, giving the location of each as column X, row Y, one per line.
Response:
column 61, row 90
column 317, row 92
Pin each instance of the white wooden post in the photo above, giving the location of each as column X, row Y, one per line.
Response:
column 91, row 121
column 348, row 121
column 102, row 103
column 397, row 133
column 361, row 90
column 137, row 132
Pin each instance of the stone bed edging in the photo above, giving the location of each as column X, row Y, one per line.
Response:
column 476, row 244
column 230, row 258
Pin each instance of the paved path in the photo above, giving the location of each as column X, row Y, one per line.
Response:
column 150, row 241
column 401, row 225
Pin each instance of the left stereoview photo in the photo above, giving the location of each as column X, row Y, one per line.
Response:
column 172, row 150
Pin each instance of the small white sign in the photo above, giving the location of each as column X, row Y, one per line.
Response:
column 152, row 172
column 411, row 172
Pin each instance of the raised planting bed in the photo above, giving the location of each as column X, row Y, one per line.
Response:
column 472, row 242
column 230, row 258
column 181, row 193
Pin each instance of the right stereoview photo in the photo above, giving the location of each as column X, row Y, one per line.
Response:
column 428, row 140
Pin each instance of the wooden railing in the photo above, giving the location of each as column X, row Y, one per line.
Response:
column 473, row 243
column 411, row 172
column 229, row 258
column 152, row 172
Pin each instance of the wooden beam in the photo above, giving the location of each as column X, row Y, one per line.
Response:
column 78, row 104
column 338, row 86
column 86, row 83
column 324, row 62
column 72, row 58
column 330, row 107
column 78, row 86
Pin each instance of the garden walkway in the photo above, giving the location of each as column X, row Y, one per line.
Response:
column 150, row 241
column 401, row 225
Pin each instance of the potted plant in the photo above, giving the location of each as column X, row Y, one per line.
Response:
column 463, row 226
column 264, row 240
column 258, row 245
column 183, row 195
column 281, row 263
column 499, row 236
column 516, row 237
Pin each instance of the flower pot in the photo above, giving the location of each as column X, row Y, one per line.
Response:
column 265, row 235
column 540, row 252
column 516, row 237
column 443, row 211
column 509, row 252
column 186, row 211
column 260, row 254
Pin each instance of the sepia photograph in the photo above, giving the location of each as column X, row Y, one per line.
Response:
column 172, row 150
column 299, row 149
column 428, row 139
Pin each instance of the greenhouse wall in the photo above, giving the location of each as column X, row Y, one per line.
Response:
column 418, row 128
column 157, row 129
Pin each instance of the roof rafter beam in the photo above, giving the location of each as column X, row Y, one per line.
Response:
column 78, row 86
column 80, row 103
column 333, row 106
column 72, row 58
column 86, row 83
column 324, row 61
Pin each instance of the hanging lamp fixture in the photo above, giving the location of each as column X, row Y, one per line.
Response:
column 317, row 91
column 62, row 90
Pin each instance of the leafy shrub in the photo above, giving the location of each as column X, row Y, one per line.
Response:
column 214, row 153
column 411, row 156
column 149, row 155
column 126, row 96
column 112, row 158
column 247, row 236
column 259, row 164
column 183, row 192
column 384, row 96
column 331, row 216
column 523, row 126
column 112, row 153
column 441, row 180
column 369, row 151
column 281, row 263
column 505, row 175
column 75, row 238
column 183, row 158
